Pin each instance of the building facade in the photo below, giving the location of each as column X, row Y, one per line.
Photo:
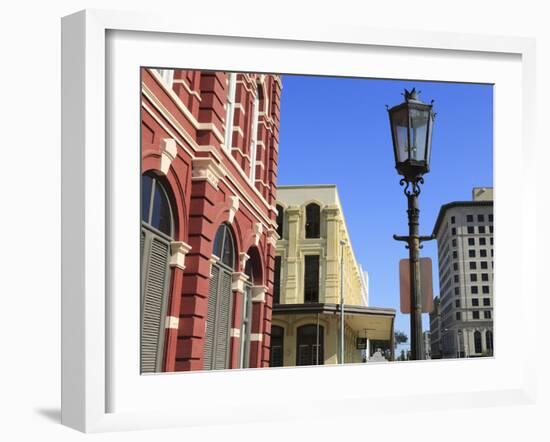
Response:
column 464, row 231
column 307, row 284
column 209, row 145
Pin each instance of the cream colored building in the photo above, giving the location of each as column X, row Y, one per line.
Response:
column 306, row 308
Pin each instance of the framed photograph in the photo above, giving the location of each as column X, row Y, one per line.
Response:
column 265, row 172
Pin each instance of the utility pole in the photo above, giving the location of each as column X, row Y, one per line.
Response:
column 342, row 244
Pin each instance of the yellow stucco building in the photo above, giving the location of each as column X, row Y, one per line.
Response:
column 307, row 283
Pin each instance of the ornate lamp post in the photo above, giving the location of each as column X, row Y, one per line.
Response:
column 411, row 127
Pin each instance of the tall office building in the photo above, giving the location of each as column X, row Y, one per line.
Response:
column 464, row 232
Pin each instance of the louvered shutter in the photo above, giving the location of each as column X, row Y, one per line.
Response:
column 155, row 288
column 222, row 322
column 211, row 318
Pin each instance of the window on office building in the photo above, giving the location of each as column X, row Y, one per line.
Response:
column 474, row 290
column 311, row 278
column 483, row 264
column 471, row 242
column 473, row 265
column 473, row 277
column 485, row 289
column 469, row 218
column 483, row 253
column 472, row 253
column 475, row 314
column 277, row 281
column 485, row 277
column 487, row 314
column 481, row 229
column 480, row 218
column 470, row 229
column 313, row 221
column 475, row 302
column 486, row 301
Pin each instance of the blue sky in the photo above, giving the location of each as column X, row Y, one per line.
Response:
column 336, row 131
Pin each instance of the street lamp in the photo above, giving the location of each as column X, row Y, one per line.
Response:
column 411, row 127
column 342, row 244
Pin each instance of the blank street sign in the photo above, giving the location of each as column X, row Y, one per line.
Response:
column 426, row 288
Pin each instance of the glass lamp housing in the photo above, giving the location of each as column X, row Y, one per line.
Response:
column 411, row 126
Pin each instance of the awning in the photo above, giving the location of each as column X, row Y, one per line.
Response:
column 378, row 322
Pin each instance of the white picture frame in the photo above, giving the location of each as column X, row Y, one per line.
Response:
column 91, row 368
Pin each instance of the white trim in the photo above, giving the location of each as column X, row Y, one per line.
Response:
column 168, row 153
column 233, row 208
column 230, row 109
column 172, row 322
column 256, row 337
column 178, row 250
column 254, row 139
column 235, row 333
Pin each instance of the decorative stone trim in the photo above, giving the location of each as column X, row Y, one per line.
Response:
column 256, row 337
column 206, row 169
column 258, row 293
column 239, row 278
column 168, row 153
column 172, row 322
column 332, row 213
column 243, row 258
column 233, row 208
column 178, row 250
column 293, row 212
column 272, row 237
column 235, row 333
column 258, row 230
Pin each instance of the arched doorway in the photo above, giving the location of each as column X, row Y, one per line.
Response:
column 477, row 342
column 489, row 341
column 216, row 345
column 276, row 351
column 157, row 231
column 310, row 345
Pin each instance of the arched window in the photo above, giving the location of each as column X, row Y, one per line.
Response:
column 157, row 229
column 218, row 320
column 230, row 110
column 477, row 342
column 280, row 220
column 313, row 221
column 310, row 345
column 246, row 321
column 223, row 246
column 489, row 341
column 276, row 350
column 155, row 207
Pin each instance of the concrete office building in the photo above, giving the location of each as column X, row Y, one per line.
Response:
column 464, row 231
column 305, row 327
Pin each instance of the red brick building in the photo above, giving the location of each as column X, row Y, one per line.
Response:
column 209, row 143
